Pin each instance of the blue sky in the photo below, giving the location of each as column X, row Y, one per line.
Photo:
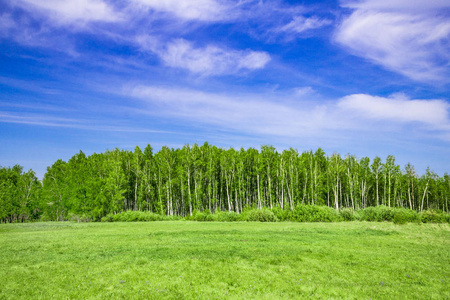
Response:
column 369, row 78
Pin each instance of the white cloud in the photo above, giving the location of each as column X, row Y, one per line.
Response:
column 199, row 10
column 6, row 24
column 410, row 38
column 404, row 5
column 300, row 24
column 286, row 115
column 41, row 25
column 72, row 11
column 207, row 61
column 248, row 113
column 303, row 91
column 41, row 119
column 398, row 108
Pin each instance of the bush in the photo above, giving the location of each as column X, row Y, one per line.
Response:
column 408, row 214
column 79, row 218
column 391, row 214
column 357, row 215
column 204, row 216
column 347, row 214
column 45, row 217
column 400, row 217
column 261, row 215
column 107, row 218
column 370, row 214
column 137, row 216
column 227, row 216
column 281, row 214
column 446, row 217
column 386, row 213
column 313, row 213
column 432, row 216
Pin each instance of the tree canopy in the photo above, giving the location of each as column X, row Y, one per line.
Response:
column 180, row 181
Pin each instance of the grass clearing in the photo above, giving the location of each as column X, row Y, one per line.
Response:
column 187, row 260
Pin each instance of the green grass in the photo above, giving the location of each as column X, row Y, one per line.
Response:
column 187, row 260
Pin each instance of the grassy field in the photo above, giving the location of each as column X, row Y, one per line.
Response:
column 194, row 260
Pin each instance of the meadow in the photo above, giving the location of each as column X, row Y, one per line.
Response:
column 214, row 260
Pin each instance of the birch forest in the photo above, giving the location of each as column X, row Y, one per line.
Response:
column 180, row 181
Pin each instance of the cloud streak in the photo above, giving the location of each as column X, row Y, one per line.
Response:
column 50, row 121
column 200, row 10
column 398, row 109
column 245, row 113
column 73, row 12
column 301, row 24
column 295, row 115
column 411, row 39
column 205, row 61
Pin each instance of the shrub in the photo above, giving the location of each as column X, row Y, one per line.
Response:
column 45, row 217
column 227, row 216
column 400, row 217
column 410, row 215
column 357, row 215
column 313, row 213
column 281, row 214
column 79, row 218
column 391, row 214
column 204, row 216
column 370, row 214
column 107, row 218
column 432, row 216
column 403, row 216
column 347, row 214
column 386, row 213
column 261, row 215
column 446, row 217
column 136, row 216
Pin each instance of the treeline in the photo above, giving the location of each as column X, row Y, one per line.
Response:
column 198, row 178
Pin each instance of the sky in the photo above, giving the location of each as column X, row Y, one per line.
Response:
column 368, row 78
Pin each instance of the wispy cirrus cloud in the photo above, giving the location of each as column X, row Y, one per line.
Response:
column 398, row 108
column 411, row 38
column 51, row 24
column 304, row 91
column 205, row 61
column 200, row 10
column 212, row 60
column 300, row 24
column 296, row 115
column 55, row 17
column 42, row 119
column 73, row 12
column 249, row 113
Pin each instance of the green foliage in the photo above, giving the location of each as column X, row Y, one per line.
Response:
column 403, row 215
column 347, row 214
column 315, row 213
column 137, row 216
column 400, row 218
column 79, row 218
column 281, row 214
column 311, row 213
column 390, row 214
column 192, row 179
column 371, row 214
column 227, row 216
column 260, row 215
column 204, row 216
column 433, row 216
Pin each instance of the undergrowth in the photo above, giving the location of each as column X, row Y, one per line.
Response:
column 301, row 213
